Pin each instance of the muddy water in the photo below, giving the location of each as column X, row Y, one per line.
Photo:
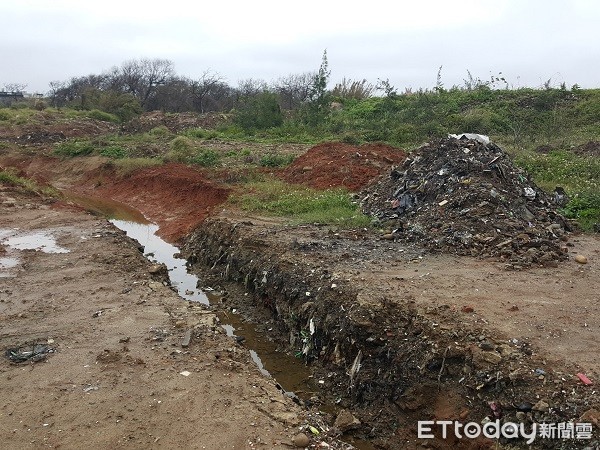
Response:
column 290, row 373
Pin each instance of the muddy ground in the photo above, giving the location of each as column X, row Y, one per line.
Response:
column 113, row 377
column 394, row 333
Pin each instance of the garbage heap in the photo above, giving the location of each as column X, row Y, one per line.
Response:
column 465, row 196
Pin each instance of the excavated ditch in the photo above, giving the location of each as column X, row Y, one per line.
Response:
column 384, row 361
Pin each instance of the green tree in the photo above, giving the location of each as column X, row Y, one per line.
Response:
column 317, row 108
column 259, row 112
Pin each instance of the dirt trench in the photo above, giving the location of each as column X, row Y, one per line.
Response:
column 385, row 357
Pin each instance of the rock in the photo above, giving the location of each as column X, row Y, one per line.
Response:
column 301, row 440
column 541, row 406
column 487, row 346
column 388, row 237
column 156, row 268
column 581, row 259
column 345, row 421
column 521, row 416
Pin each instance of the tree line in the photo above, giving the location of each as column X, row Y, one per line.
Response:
column 152, row 84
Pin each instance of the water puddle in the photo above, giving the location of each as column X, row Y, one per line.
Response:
column 159, row 251
column 42, row 241
column 290, row 373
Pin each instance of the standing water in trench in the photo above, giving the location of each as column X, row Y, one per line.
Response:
column 289, row 372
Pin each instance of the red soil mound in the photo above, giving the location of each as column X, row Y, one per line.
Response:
column 335, row 164
column 174, row 196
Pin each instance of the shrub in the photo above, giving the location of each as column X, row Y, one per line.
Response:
column 160, row 131
column 182, row 150
column 74, row 148
column 206, row 158
column 259, row 112
column 114, row 151
column 96, row 114
column 276, row 160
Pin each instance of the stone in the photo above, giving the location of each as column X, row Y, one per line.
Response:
column 345, row 421
column 301, row 440
column 541, row 406
column 156, row 268
column 581, row 259
column 521, row 416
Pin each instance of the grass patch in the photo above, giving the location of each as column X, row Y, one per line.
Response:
column 276, row 160
column 74, row 148
column 8, row 177
column 96, row 114
column 114, row 151
column 207, row 158
column 127, row 166
column 301, row 204
column 578, row 175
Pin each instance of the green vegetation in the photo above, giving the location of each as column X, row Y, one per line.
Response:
column 102, row 116
column 276, row 160
column 74, row 148
column 578, row 175
column 128, row 165
column 206, row 158
column 10, row 178
column 259, row 112
column 304, row 205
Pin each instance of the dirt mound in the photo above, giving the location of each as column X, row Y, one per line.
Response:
column 48, row 128
column 174, row 196
column 174, row 122
column 334, row 164
column 466, row 197
column 591, row 148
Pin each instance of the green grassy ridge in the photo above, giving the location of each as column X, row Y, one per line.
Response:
column 301, row 204
column 8, row 177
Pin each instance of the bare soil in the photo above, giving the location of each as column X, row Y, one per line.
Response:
column 395, row 333
column 114, row 378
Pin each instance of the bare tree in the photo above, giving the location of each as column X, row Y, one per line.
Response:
column 294, row 89
column 142, row 77
column 14, row 87
column 251, row 87
column 56, row 99
column 207, row 90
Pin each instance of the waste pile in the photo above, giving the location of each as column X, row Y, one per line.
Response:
column 466, row 196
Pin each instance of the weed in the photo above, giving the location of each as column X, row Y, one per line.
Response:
column 96, row 114
column 206, row 158
column 276, row 160
column 127, row 166
column 182, row 150
column 301, row 204
column 200, row 133
column 114, row 151
column 160, row 131
column 10, row 178
column 74, row 148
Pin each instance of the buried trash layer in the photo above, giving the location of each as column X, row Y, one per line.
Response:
column 386, row 361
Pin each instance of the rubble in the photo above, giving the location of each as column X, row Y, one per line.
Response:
column 466, row 197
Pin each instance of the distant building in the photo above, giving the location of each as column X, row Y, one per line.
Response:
column 8, row 98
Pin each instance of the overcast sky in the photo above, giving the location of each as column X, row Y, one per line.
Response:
column 529, row 41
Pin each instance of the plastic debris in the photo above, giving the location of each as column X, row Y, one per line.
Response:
column 585, row 380
column 34, row 352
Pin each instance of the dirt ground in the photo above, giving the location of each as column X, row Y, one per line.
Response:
column 396, row 333
column 114, row 377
